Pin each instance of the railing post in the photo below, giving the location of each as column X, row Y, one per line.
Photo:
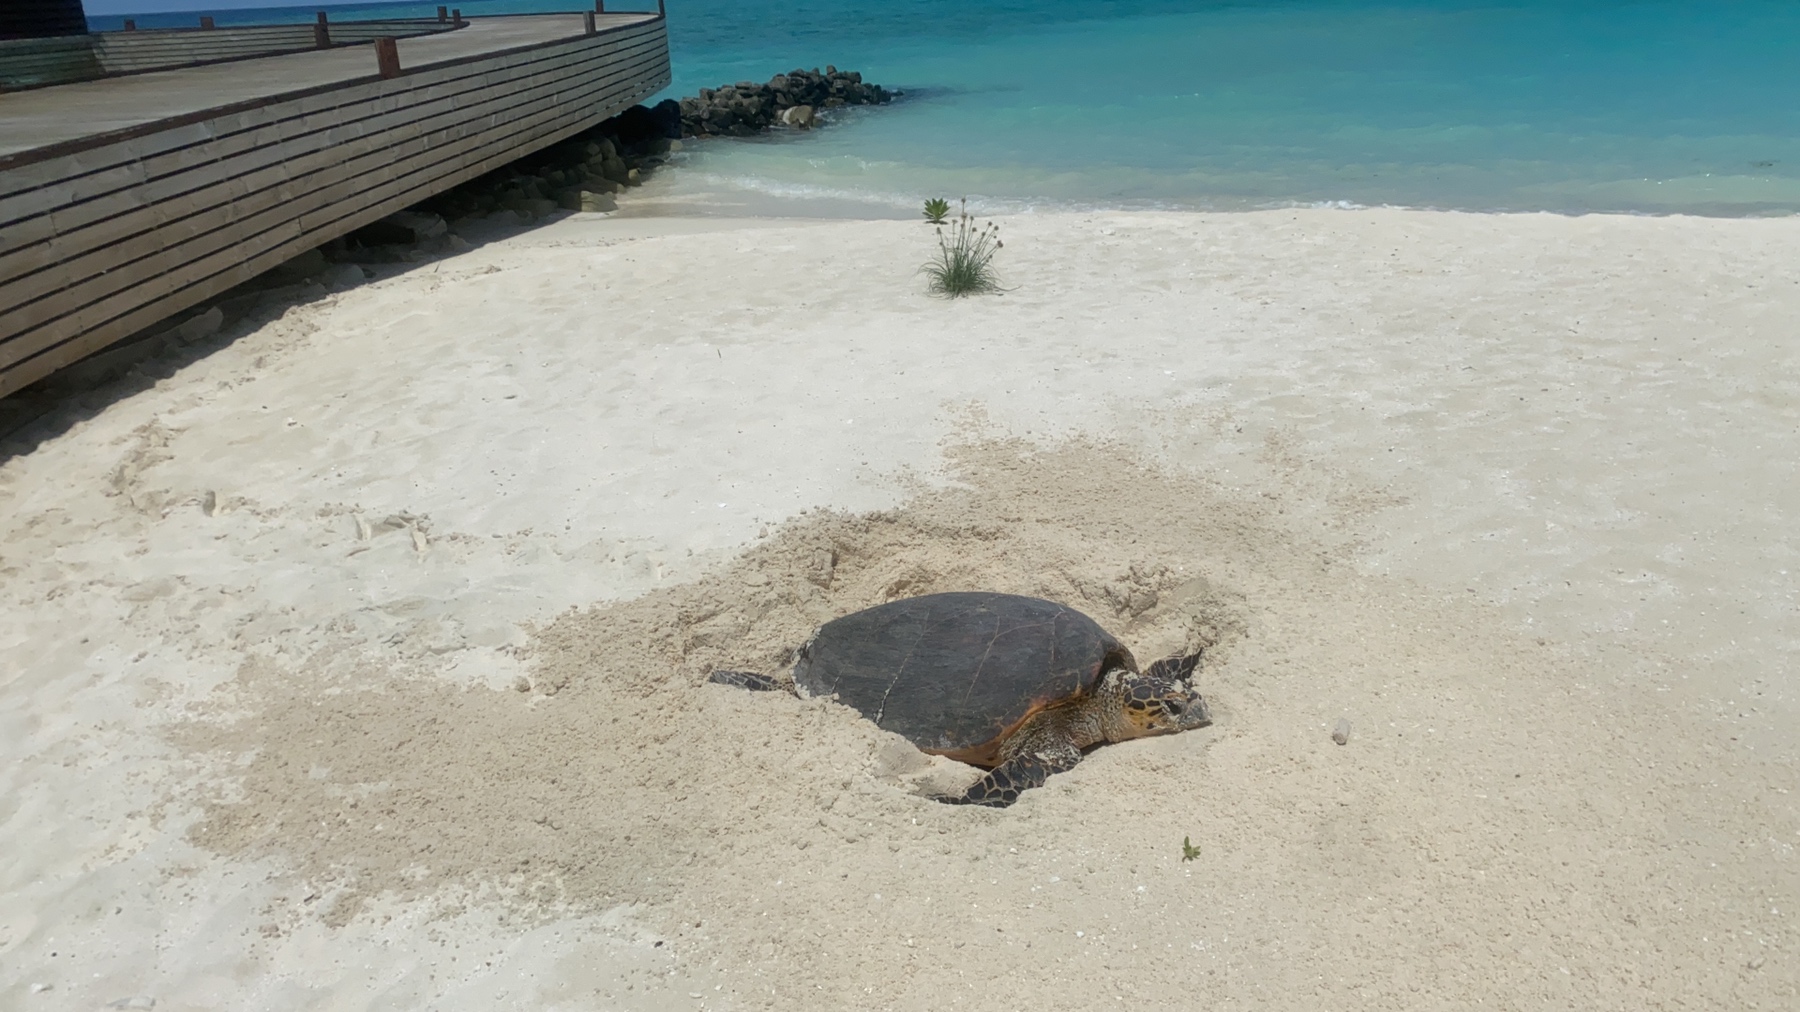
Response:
column 587, row 21
column 661, row 10
column 456, row 17
column 205, row 22
column 599, row 6
column 322, row 33
column 443, row 14
column 130, row 25
column 387, row 57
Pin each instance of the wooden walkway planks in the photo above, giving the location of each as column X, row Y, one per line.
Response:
column 65, row 59
column 99, row 241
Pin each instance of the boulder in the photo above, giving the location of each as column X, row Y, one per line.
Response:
column 639, row 123
column 204, row 325
column 345, row 276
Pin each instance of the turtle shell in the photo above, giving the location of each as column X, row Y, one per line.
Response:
column 956, row 673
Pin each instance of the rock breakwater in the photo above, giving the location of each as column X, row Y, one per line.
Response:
column 584, row 172
column 792, row 99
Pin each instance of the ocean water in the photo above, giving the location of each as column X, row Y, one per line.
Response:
column 1649, row 107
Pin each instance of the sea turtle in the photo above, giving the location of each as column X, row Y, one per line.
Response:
column 1017, row 685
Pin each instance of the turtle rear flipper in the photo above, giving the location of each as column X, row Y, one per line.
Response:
column 749, row 680
column 1003, row 784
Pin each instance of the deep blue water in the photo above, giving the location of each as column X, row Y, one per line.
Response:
column 1524, row 105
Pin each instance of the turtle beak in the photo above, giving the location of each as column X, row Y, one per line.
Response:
column 1195, row 714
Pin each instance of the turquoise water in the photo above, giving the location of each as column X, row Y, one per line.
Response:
column 1572, row 106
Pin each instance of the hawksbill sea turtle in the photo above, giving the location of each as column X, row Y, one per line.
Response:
column 1016, row 685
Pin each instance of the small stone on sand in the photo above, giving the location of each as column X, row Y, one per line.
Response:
column 1341, row 733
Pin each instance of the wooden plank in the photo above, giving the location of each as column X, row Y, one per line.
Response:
column 63, row 171
column 118, row 227
column 85, row 344
column 281, row 200
column 503, row 148
column 48, row 171
column 566, row 101
column 22, row 228
column 89, row 180
column 105, row 239
column 507, row 148
column 291, row 76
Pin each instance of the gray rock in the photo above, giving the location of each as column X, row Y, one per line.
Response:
column 344, row 276
column 204, row 325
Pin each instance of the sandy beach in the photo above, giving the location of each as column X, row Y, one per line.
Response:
column 356, row 660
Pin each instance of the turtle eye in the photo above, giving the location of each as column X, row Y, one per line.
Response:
column 1173, row 708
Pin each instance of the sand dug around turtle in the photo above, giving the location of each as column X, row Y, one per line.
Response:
column 1496, row 825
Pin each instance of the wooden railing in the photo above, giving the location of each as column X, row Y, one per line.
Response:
column 31, row 63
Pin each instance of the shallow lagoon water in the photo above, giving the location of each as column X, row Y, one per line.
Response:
column 1600, row 106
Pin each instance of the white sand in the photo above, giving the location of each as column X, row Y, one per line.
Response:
column 1514, row 494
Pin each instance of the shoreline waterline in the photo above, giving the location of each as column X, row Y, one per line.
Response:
column 685, row 188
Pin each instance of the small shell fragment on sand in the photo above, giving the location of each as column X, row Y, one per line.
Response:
column 210, row 504
column 418, row 540
column 1341, row 733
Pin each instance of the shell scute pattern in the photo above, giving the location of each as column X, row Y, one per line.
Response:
column 956, row 673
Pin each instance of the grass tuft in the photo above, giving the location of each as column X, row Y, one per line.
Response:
column 965, row 260
column 935, row 210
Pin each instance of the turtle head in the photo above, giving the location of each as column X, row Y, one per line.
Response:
column 1152, row 703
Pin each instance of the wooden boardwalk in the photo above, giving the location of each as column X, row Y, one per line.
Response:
column 125, row 201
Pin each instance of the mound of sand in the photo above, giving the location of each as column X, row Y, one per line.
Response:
column 1484, row 831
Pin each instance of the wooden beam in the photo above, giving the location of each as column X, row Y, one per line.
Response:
column 387, row 57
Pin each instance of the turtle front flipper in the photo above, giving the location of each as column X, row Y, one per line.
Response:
column 1179, row 668
column 1003, row 784
column 747, row 680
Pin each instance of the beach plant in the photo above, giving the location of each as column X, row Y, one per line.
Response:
column 935, row 210
column 965, row 261
column 1188, row 850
